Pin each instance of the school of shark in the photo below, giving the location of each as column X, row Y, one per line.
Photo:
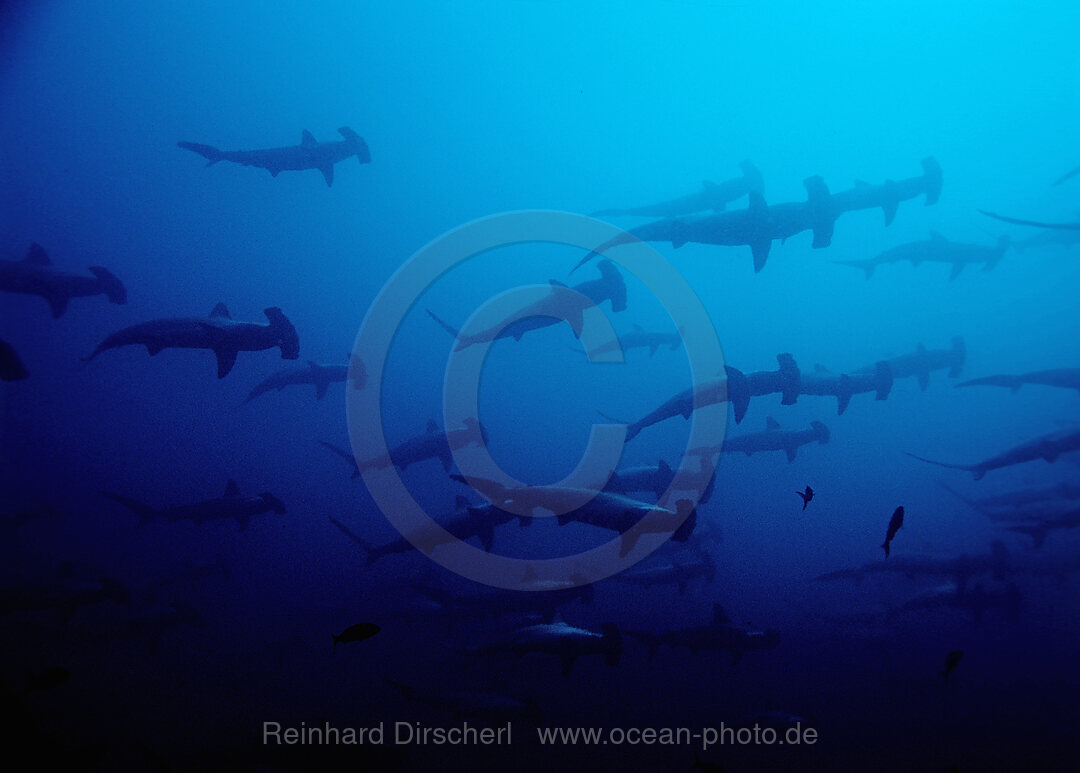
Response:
column 418, row 642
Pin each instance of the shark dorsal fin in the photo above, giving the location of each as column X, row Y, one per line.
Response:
column 708, row 185
column 637, row 327
column 314, row 365
column 307, row 138
column 432, row 427
column 819, row 368
column 719, row 616
column 231, row 489
column 663, row 467
column 461, row 502
column 771, row 423
column 220, row 311
column 757, row 202
column 935, row 236
column 37, row 256
column 556, row 283
column 862, row 184
column 920, row 349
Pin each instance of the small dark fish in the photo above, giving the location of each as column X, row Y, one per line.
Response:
column 952, row 660
column 806, row 497
column 11, row 367
column 895, row 523
column 357, row 632
column 49, row 679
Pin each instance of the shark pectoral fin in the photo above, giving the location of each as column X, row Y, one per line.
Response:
column 842, row 403
column 628, row 542
column 652, row 349
column 791, row 452
column 226, row 358
column 58, row 304
column 760, row 251
column 924, row 380
column 328, row 174
column 153, row 347
column 231, row 489
column 447, row 461
column 956, row 269
column 487, row 537
column 575, row 319
column 320, row 389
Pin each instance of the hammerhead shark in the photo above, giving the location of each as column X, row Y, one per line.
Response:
column 786, row 380
column 1038, row 529
column 432, row 444
column 712, row 196
column 320, row 376
column 721, row 635
column 922, row 362
column 546, row 602
column 844, row 386
column 1046, row 447
column 231, row 506
column 639, row 338
column 1018, row 498
column 552, row 309
column 11, row 367
column 465, row 523
column 733, row 387
column 677, row 572
column 996, row 563
column 218, row 333
column 1065, row 378
column 558, row 639
column 1034, row 223
column 772, row 439
column 937, row 249
column 976, row 600
column 889, row 194
column 1054, row 237
column 756, row 226
column 309, row 154
column 36, row 275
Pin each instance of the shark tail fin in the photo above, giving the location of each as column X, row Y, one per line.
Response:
column 612, row 642
column 112, row 287
column 738, row 392
column 822, row 432
column 685, row 510
column 372, row 554
column 141, row 509
column 932, row 179
column 209, row 152
column 444, row 325
column 883, row 380
column 1000, row 249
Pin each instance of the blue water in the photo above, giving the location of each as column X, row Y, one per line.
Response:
column 477, row 108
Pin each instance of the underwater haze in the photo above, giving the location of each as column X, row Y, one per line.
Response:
column 203, row 205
